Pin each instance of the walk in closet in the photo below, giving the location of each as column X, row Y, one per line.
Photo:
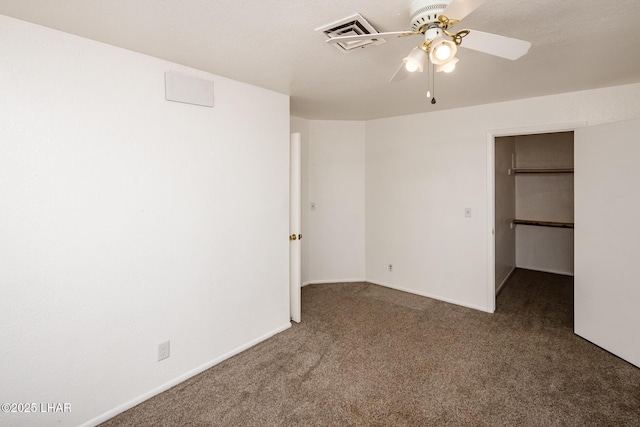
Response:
column 534, row 204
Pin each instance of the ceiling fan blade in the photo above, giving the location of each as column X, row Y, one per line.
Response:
column 400, row 74
column 493, row 44
column 458, row 9
column 343, row 39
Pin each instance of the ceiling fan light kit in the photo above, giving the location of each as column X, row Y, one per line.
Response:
column 433, row 19
column 416, row 59
column 442, row 51
column 447, row 67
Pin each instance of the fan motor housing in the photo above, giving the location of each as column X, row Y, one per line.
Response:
column 424, row 12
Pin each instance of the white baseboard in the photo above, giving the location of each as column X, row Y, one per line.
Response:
column 322, row 282
column 436, row 297
column 138, row 400
column 398, row 288
column 507, row 277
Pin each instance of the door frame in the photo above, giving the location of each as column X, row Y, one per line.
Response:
column 491, row 190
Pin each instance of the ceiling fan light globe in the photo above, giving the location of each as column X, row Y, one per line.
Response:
column 415, row 60
column 411, row 66
column 442, row 51
column 447, row 67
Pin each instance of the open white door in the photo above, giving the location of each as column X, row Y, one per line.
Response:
column 294, row 227
column 607, row 237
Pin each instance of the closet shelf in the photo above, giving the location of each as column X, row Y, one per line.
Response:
column 542, row 170
column 544, row 223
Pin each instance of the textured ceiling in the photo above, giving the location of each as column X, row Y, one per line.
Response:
column 576, row 45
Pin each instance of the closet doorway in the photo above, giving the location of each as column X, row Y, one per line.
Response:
column 606, row 236
column 534, row 204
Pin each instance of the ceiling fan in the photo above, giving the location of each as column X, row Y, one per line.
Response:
column 433, row 19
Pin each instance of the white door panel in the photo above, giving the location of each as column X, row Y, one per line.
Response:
column 607, row 237
column 294, row 228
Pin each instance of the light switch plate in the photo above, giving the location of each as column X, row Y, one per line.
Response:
column 163, row 351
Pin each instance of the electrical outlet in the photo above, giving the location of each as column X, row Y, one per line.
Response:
column 163, row 351
column 390, row 268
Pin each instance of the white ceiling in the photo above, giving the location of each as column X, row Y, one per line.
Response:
column 576, row 45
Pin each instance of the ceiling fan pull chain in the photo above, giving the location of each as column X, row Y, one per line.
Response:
column 433, row 82
column 428, row 80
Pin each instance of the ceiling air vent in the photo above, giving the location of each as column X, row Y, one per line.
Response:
column 351, row 26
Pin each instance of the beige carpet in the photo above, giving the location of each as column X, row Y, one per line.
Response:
column 365, row 355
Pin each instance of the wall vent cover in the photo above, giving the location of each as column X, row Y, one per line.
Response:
column 351, row 26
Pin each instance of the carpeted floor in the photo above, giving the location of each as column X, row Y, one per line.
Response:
column 365, row 355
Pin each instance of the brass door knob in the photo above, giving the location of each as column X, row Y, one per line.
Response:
column 293, row 237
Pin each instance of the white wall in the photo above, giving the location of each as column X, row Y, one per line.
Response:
column 544, row 197
column 545, row 249
column 126, row 221
column 505, row 210
column 333, row 179
column 423, row 170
